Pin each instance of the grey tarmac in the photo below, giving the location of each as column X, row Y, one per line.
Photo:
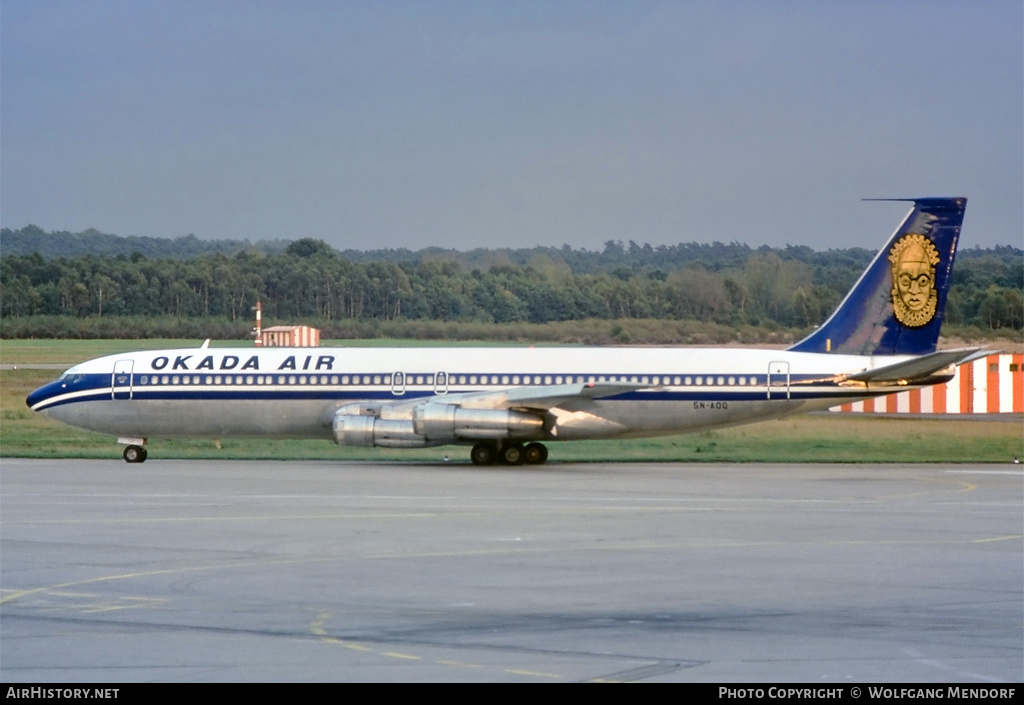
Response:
column 185, row 571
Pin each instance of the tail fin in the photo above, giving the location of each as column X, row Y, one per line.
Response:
column 897, row 305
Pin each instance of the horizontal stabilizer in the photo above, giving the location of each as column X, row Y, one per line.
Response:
column 920, row 367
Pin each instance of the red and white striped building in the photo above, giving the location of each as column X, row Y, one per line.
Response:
column 991, row 385
column 289, row 336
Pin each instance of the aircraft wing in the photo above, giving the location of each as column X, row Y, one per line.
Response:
column 446, row 418
column 920, row 367
column 541, row 397
column 533, row 398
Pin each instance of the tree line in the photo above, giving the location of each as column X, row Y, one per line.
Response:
column 725, row 285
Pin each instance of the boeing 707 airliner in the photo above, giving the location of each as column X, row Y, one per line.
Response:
column 506, row 403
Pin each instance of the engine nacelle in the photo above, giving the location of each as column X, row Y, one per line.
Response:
column 447, row 421
column 353, row 430
column 430, row 425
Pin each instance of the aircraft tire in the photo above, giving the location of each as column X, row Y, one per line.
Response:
column 535, row 454
column 135, row 454
column 484, row 454
column 512, row 454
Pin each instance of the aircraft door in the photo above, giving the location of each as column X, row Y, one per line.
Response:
column 121, row 380
column 441, row 383
column 778, row 380
column 398, row 384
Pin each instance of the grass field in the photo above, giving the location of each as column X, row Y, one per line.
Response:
column 816, row 438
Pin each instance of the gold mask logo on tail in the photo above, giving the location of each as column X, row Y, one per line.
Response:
column 912, row 260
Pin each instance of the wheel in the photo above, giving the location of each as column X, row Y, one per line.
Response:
column 483, row 454
column 512, row 454
column 135, row 454
column 535, row 454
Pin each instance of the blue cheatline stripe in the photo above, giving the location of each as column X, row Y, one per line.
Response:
column 665, row 380
column 484, row 379
column 327, row 393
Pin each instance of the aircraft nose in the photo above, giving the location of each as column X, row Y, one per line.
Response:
column 40, row 395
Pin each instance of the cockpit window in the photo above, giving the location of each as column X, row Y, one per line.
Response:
column 71, row 372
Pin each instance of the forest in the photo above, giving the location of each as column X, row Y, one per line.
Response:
column 95, row 285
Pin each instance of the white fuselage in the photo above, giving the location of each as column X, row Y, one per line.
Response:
column 297, row 392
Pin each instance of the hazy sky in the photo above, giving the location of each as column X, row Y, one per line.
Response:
column 468, row 124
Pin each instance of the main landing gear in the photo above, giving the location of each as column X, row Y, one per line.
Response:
column 490, row 452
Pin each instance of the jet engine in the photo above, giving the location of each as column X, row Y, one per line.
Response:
column 431, row 425
column 355, row 430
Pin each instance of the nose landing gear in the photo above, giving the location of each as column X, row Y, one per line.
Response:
column 136, row 450
column 135, row 454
